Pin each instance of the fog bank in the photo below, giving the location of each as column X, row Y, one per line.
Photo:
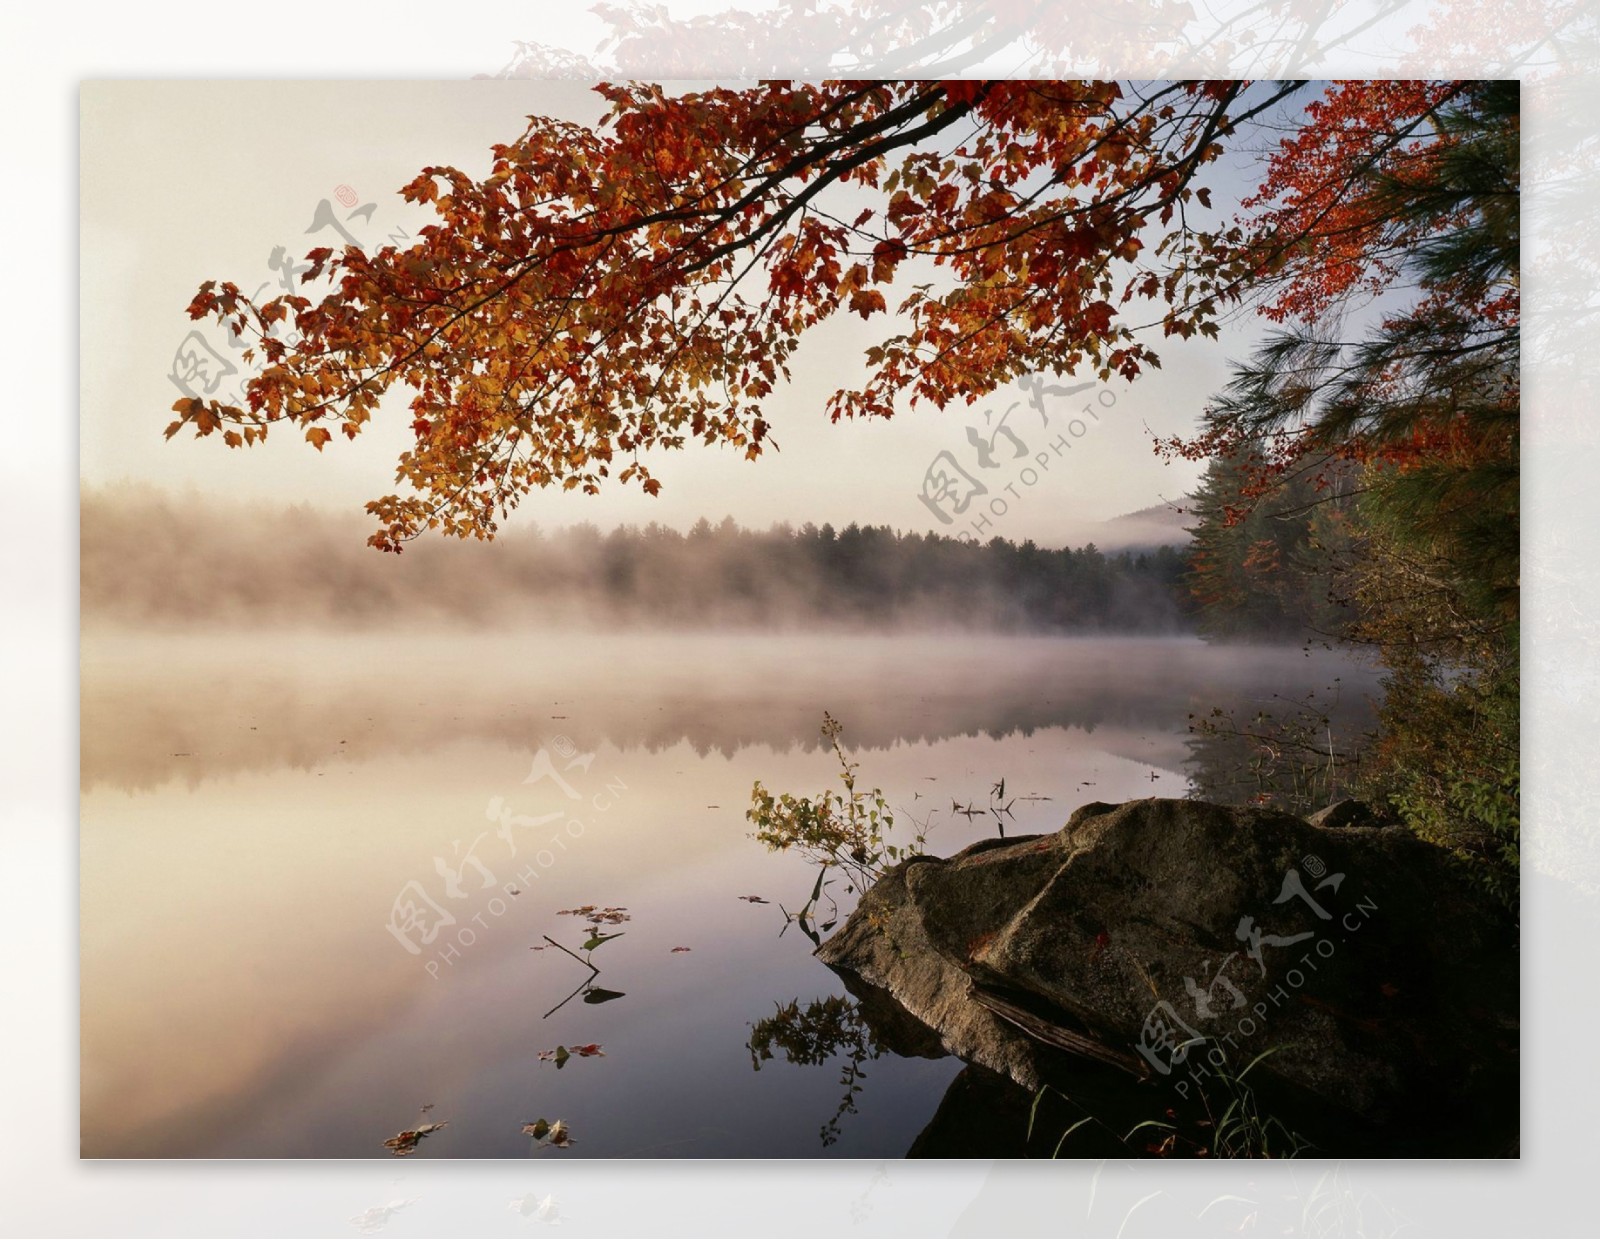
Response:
column 150, row 559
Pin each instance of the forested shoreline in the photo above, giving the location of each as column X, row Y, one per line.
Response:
column 150, row 559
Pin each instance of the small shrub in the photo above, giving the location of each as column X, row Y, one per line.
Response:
column 848, row 831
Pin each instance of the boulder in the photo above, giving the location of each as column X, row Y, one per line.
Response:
column 1345, row 813
column 1177, row 940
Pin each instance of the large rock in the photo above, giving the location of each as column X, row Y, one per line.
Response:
column 1384, row 984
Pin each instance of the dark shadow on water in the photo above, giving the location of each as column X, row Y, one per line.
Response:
column 1093, row 1110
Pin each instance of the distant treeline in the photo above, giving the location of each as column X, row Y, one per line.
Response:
column 158, row 560
column 873, row 573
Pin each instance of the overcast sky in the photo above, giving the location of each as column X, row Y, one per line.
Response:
column 188, row 181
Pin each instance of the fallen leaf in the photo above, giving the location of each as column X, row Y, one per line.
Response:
column 680, row 949
column 597, row 994
column 404, row 1143
column 560, row 1055
column 589, row 912
column 556, row 1134
column 753, row 899
column 588, row 1050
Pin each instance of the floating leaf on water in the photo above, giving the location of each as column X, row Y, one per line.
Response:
column 598, row 994
column 681, row 949
column 561, row 1053
column 556, row 1134
column 597, row 938
column 404, row 1143
column 590, row 912
column 753, row 899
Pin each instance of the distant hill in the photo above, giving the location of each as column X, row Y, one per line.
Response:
column 1158, row 525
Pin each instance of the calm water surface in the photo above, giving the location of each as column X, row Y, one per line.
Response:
column 253, row 815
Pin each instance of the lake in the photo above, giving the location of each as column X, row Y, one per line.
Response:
column 323, row 877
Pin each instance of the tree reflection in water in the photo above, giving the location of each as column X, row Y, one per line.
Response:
column 814, row 1034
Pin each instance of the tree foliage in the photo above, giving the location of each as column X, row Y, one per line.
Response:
column 606, row 292
column 603, row 292
column 1267, row 558
column 1425, row 404
column 1422, row 408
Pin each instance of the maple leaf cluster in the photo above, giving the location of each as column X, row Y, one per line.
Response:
column 1322, row 231
column 605, row 292
column 1367, row 202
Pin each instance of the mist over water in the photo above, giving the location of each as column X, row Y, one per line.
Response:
column 159, row 708
column 253, row 803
